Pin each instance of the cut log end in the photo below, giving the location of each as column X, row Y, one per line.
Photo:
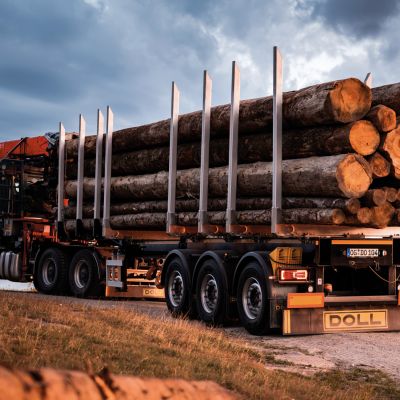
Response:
column 380, row 167
column 352, row 205
column 391, row 146
column 350, row 100
column 382, row 215
column 364, row 137
column 353, row 175
column 364, row 215
column 384, row 118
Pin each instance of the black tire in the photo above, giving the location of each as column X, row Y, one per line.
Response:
column 252, row 299
column 51, row 276
column 84, row 275
column 178, row 289
column 212, row 294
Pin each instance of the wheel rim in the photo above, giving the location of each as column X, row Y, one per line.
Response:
column 252, row 298
column 176, row 289
column 209, row 293
column 49, row 272
column 81, row 274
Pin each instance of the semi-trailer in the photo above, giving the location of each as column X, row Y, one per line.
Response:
column 290, row 278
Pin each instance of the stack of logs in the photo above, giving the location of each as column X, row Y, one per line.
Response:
column 341, row 151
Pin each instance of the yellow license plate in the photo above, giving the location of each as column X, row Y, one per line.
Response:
column 355, row 320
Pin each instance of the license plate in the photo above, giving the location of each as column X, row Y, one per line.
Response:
column 355, row 320
column 363, row 253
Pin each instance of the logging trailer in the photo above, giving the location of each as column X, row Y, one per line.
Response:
column 295, row 279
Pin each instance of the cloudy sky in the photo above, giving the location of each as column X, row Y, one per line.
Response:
column 61, row 58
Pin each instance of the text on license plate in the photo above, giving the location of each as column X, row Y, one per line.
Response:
column 362, row 252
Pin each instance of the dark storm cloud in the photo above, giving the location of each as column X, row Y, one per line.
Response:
column 362, row 18
column 61, row 58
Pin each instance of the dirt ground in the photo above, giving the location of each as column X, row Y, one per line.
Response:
column 302, row 354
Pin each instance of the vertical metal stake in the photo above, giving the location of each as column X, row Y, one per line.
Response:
column 98, row 175
column 173, row 146
column 277, row 142
column 107, row 171
column 205, row 152
column 368, row 80
column 233, row 148
column 61, row 172
column 81, row 164
column 99, row 162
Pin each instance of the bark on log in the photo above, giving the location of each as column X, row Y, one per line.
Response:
column 340, row 101
column 49, row 384
column 380, row 167
column 243, row 204
column 391, row 147
column 360, row 137
column 382, row 215
column 157, row 221
column 388, row 95
column 335, row 176
column 384, row 118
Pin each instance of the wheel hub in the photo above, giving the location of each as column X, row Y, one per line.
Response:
column 252, row 298
column 209, row 293
column 81, row 274
column 176, row 289
column 49, row 272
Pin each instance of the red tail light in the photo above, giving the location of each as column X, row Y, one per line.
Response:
column 293, row 275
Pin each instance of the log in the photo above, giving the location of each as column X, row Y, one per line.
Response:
column 391, row 194
column 51, row 384
column 384, row 118
column 374, row 197
column 382, row 215
column 388, row 95
column 157, row 221
column 360, row 137
column 340, row 101
column 364, row 215
column 391, row 147
column 335, row 176
column 243, row 204
column 380, row 167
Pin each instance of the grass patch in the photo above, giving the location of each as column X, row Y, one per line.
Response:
column 37, row 332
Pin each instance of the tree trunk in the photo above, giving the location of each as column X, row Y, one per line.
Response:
column 243, row 204
column 333, row 176
column 364, row 215
column 339, row 101
column 360, row 137
column 380, row 167
column 388, row 95
column 391, row 147
column 391, row 194
column 384, row 118
column 382, row 215
column 51, row 384
column 157, row 221
column 374, row 197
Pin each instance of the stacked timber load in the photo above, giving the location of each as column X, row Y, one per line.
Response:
column 341, row 162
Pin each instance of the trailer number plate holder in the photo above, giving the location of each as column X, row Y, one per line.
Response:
column 362, row 253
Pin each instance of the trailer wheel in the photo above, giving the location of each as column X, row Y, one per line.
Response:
column 211, row 293
column 50, row 276
column 178, row 290
column 83, row 275
column 252, row 300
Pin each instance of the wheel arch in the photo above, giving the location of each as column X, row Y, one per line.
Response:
column 183, row 256
column 262, row 259
column 218, row 257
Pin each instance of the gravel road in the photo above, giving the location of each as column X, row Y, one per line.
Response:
column 303, row 354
